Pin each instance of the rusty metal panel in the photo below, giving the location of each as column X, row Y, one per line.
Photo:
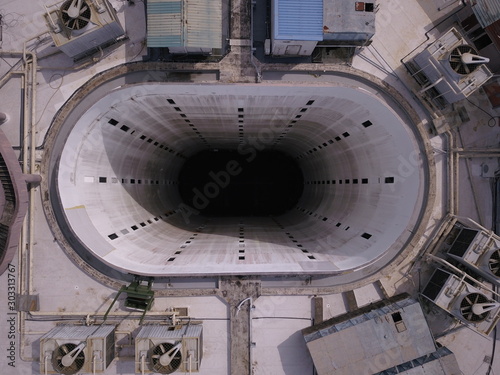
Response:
column 486, row 11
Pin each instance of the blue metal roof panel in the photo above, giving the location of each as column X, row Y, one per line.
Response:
column 298, row 19
column 164, row 23
column 164, row 7
column 486, row 11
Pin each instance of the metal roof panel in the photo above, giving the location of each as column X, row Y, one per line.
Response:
column 298, row 20
column 486, row 11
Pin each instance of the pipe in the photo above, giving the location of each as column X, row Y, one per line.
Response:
column 469, row 173
column 249, row 329
column 252, row 57
column 143, row 364
column 99, row 314
column 431, row 85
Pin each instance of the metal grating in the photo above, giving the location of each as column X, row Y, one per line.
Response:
column 436, row 284
column 463, row 241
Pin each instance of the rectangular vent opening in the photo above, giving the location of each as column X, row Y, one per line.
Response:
column 310, row 102
column 125, row 128
column 364, row 180
column 112, row 122
column 113, row 236
column 134, row 227
column 389, row 180
column 367, row 124
column 170, row 101
column 366, row 235
column 103, row 180
column 311, row 257
column 346, row 134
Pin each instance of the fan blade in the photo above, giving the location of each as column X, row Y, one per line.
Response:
column 83, row 19
column 83, row 9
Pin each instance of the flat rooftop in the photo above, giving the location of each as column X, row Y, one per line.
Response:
column 70, row 267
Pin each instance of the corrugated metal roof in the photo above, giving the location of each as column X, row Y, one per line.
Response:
column 70, row 332
column 166, row 332
column 298, row 19
column 187, row 23
column 204, row 26
column 486, row 11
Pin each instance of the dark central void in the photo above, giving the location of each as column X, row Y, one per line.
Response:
column 228, row 183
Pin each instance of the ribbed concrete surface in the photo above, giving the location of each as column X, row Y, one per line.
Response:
column 363, row 192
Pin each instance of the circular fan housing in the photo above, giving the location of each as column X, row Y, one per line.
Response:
column 75, row 23
column 60, row 352
column 466, row 307
column 456, row 62
column 494, row 263
column 157, row 352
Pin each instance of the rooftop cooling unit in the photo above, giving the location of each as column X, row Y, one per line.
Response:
column 463, row 300
column 449, row 69
column 476, row 249
column 167, row 349
column 81, row 27
column 77, row 349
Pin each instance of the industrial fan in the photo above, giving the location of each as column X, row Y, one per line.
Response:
column 75, row 14
column 464, row 59
column 68, row 358
column 494, row 263
column 475, row 307
column 166, row 357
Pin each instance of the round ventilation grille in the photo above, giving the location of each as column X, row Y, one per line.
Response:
column 467, row 304
column 158, row 352
column 494, row 263
column 75, row 14
column 457, row 63
column 57, row 359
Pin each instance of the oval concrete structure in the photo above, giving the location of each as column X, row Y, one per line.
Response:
column 117, row 153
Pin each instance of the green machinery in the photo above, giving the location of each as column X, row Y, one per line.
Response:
column 139, row 296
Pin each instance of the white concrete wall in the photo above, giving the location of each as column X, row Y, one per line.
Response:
column 309, row 239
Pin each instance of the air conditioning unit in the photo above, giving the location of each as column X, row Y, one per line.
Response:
column 81, row 27
column 167, row 349
column 449, row 69
column 475, row 248
column 71, row 349
column 471, row 305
